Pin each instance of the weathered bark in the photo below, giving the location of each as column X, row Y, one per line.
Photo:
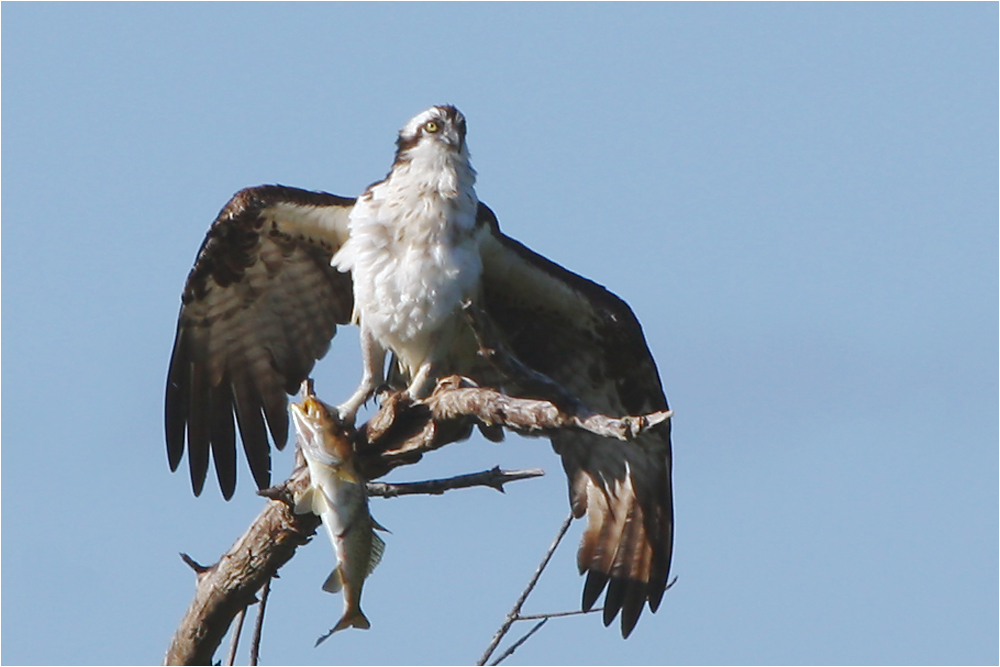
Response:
column 231, row 584
column 399, row 434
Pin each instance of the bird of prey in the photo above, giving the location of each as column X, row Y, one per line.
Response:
column 281, row 267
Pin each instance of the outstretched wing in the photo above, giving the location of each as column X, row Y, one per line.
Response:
column 588, row 340
column 259, row 307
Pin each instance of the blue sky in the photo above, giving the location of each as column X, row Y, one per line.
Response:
column 800, row 203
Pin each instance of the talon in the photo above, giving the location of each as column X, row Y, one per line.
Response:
column 381, row 392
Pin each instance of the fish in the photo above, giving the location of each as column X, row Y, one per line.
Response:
column 338, row 495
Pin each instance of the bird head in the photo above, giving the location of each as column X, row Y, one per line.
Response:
column 434, row 133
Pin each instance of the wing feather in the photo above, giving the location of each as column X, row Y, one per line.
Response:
column 199, row 437
column 258, row 309
column 589, row 341
column 223, row 436
column 252, row 429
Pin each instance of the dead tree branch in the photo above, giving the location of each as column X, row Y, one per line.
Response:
column 515, row 611
column 235, row 641
column 494, row 478
column 516, row 645
column 258, row 625
column 398, row 434
column 231, row 584
column 402, row 431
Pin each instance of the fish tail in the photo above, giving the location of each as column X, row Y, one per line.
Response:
column 353, row 619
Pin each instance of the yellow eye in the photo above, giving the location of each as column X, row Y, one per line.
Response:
column 432, row 126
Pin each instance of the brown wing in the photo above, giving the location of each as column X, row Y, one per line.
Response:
column 588, row 340
column 259, row 307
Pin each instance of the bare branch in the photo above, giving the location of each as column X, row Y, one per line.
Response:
column 530, row 416
column 493, row 478
column 258, row 626
column 402, row 432
column 193, row 564
column 231, row 584
column 235, row 641
column 513, row 647
column 559, row 614
column 512, row 615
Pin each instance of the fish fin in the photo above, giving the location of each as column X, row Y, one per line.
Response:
column 334, row 582
column 355, row 620
column 378, row 548
column 305, row 502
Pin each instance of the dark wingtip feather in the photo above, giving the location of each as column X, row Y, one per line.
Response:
column 593, row 587
column 198, row 474
column 635, row 598
column 253, row 432
column 657, row 587
column 614, row 599
column 224, row 438
column 260, row 468
column 629, row 622
column 199, row 428
column 175, row 405
column 198, row 464
column 175, row 420
column 276, row 411
column 663, row 549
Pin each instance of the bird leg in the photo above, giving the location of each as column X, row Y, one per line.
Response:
column 418, row 387
column 373, row 375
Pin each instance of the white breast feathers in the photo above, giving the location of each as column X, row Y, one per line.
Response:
column 412, row 253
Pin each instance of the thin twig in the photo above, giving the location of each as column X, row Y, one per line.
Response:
column 259, row 624
column 494, row 478
column 542, row 618
column 198, row 568
column 237, row 629
column 513, row 647
column 513, row 614
column 558, row 614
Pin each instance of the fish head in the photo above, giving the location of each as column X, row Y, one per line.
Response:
column 319, row 433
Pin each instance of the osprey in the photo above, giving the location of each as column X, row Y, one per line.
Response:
column 281, row 267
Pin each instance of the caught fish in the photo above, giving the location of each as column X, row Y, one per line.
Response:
column 337, row 494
